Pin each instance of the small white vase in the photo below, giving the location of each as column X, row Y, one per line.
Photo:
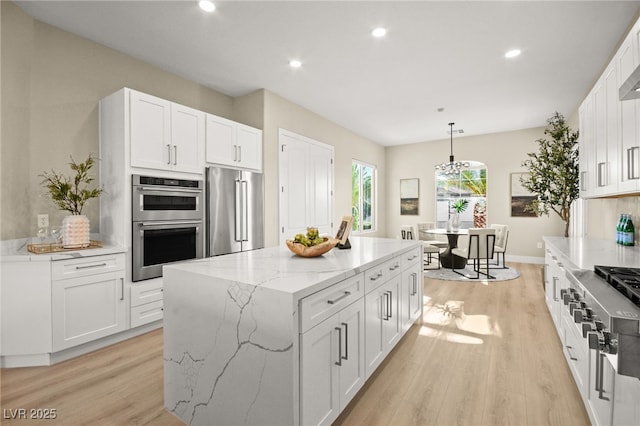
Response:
column 455, row 221
column 75, row 231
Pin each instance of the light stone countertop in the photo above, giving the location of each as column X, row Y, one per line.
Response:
column 277, row 268
column 584, row 253
column 16, row 251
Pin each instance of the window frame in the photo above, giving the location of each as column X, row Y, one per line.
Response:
column 374, row 197
column 476, row 165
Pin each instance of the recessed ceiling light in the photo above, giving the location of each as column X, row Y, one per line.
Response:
column 512, row 53
column 295, row 63
column 207, row 5
column 379, row 32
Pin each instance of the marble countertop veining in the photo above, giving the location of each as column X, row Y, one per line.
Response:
column 277, row 268
column 584, row 253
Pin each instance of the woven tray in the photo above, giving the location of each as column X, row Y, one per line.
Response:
column 57, row 247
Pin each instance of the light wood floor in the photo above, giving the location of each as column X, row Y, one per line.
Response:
column 485, row 354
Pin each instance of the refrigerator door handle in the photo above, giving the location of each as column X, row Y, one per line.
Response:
column 238, row 222
column 245, row 211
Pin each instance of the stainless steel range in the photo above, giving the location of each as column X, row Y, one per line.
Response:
column 607, row 305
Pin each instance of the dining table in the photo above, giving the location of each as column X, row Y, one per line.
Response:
column 447, row 258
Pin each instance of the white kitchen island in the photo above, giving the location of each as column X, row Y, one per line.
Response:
column 266, row 337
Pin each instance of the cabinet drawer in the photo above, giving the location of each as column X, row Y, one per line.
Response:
column 321, row 305
column 85, row 266
column 146, row 313
column 411, row 257
column 146, row 293
column 376, row 276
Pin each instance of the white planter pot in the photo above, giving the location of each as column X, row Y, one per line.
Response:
column 75, row 231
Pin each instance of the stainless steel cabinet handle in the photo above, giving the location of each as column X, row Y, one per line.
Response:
column 168, row 154
column 337, row 299
column 390, row 303
column 571, row 357
column 175, row 155
column 121, row 288
column 601, row 390
column 602, row 177
column 378, row 275
column 95, row 265
column 386, row 306
column 632, row 163
column 240, row 154
column 583, row 180
column 555, row 288
column 339, row 361
column 346, row 341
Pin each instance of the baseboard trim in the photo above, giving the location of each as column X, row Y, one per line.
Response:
column 525, row 259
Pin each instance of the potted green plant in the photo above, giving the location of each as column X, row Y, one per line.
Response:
column 457, row 207
column 71, row 194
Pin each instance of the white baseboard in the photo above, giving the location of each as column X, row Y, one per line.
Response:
column 525, row 259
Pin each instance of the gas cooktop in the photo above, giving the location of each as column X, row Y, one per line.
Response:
column 625, row 280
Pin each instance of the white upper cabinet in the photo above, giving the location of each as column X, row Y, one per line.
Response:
column 629, row 161
column 150, row 127
column 233, row 144
column 165, row 135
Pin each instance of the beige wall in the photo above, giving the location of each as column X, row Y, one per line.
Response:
column 503, row 153
column 280, row 113
column 602, row 216
column 52, row 81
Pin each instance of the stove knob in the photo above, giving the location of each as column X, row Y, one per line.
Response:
column 594, row 340
column 586, row 328
column 572, row 306
column 577, row 316
column 599, row 325
column 588, row 312
column 583, row 305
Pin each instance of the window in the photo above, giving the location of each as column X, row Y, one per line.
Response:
column 363, row 184
column 469, row 185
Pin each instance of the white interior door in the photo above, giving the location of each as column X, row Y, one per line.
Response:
column 306, row 185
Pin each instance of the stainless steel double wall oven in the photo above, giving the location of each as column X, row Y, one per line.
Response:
column 167, row 223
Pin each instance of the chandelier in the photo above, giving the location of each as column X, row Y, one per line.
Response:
column 452, row 167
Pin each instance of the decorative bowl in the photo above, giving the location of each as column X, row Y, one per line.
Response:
column 313, row 251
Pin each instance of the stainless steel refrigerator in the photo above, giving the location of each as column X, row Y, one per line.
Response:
column 235, row 210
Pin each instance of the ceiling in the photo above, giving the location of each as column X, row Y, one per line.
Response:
column 435, row 55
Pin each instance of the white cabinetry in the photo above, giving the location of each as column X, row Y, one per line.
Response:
column 555, row 280
column 382, row 326
column 332, row 365
column 600, row 388
column 146, row 302
column 165, row 135
column 411, row 292
column 600, row 127
column 233, row 144
column 89, row 299
column 629, row 156
column 626, row 406
column 610, row 128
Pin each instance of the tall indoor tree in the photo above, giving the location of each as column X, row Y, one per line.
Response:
column 554, row 171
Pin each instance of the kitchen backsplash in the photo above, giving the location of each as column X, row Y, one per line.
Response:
column 602, row 216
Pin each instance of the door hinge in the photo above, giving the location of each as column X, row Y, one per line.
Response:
column 283, row 229
column 283, row 189
column 282, row 147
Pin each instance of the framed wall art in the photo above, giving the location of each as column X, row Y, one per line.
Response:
column 521, row 198
column 409, row 196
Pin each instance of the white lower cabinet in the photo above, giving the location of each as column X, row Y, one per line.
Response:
column 575, row 350
column 332, row 365
column 146, row 302
column 382, row 327
column 626, row 406
column 601, row 384
column 411, row 296
column 89, row 301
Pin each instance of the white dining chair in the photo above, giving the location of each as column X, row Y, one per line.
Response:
column 409, row 232
column 502, row 235
column 479, row 248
